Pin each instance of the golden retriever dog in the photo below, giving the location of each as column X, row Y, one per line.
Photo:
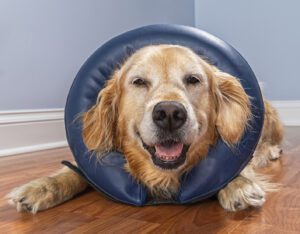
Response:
column 164, row 108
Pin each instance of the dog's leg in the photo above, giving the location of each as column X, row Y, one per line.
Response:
column 268, row 147
column 275, row 152
column 47, row 192
column 265, row 153
column 247, row 190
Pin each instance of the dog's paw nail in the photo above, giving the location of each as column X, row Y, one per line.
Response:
column 237, row 205
column 256, row 196
column 27, row 207
column 22, row 199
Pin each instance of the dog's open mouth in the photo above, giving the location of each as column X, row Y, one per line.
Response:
column 168, row 154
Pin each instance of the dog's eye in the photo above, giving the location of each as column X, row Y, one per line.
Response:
column 192, row 79
column 139, row 82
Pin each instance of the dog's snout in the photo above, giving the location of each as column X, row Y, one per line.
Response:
column 169, row 115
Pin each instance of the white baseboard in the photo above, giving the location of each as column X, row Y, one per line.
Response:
column 32, row 148
column 289, row 111
column 31, row 130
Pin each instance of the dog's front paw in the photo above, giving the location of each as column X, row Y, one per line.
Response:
column 240, row 194
column 34, row 196
column 275, row 152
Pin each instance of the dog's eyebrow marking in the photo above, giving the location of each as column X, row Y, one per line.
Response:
column 171, row 96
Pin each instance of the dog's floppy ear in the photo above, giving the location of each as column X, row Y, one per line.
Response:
column 100, row 121
column 233, row 107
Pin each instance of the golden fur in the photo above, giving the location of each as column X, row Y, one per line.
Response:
column 218, row 107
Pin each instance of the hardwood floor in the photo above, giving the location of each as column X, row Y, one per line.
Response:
column 92, row 213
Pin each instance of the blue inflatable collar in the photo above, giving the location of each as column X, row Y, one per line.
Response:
column 211, row 174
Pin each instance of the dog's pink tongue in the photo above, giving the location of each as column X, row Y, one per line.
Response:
column 169, row 152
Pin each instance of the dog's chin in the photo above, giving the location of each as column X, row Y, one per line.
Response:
column 167, row 155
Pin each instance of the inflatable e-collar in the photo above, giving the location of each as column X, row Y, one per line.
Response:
column 220, row 166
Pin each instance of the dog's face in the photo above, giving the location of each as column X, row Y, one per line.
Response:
column 163, row 109
column 165, row 103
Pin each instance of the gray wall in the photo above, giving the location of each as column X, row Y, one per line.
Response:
column 43, row 43
column 267, row 34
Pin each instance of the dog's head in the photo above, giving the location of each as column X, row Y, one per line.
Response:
column 164, row 107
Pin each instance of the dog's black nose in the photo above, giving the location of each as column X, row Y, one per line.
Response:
column 169, row 115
